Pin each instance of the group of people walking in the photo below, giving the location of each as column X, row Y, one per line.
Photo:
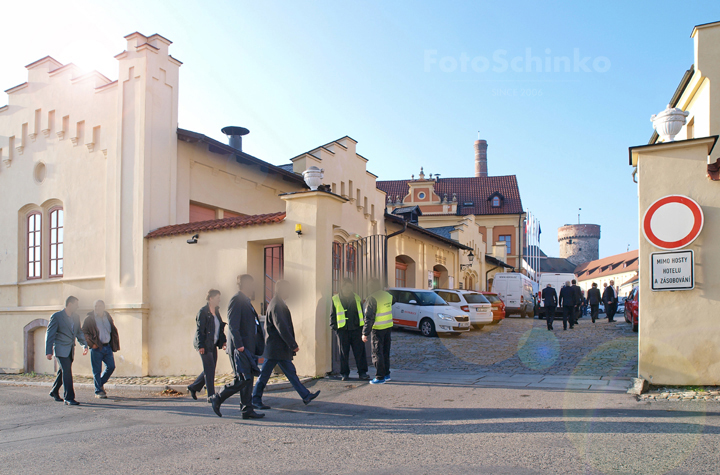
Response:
column 572, row 302
column 97, row 334
column 246, row 341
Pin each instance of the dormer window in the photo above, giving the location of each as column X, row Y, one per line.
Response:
column 496, row 199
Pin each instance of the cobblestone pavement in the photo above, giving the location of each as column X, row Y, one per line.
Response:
column 524, row 346
column 220, row 379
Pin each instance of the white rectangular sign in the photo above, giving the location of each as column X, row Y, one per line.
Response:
column 674, row 270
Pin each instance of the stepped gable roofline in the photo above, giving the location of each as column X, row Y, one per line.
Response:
column 475, row 190
column 46, row 59
column 336, row 142
column 217, row 224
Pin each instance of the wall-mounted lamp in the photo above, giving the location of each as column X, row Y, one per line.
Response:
column 298, row 229
column 194, row 239
column 471, row 258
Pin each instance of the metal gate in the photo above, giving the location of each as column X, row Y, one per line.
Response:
column 359, row 260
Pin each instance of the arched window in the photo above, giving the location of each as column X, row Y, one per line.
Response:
column 34, row 245
column 496, row 202
column 56, row 242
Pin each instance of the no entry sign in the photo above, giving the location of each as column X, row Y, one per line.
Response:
column 672, row 222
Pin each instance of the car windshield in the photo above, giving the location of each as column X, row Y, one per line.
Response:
column 475, row 298
column 429, row 299
column 492, row 298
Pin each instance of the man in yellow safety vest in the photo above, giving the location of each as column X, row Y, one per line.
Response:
column 347, row 320
column 378, row 323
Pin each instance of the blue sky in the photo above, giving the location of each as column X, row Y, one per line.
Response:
column 391, row 75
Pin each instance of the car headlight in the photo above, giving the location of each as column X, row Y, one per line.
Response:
column 443, row 316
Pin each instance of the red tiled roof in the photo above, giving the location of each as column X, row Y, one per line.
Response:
column 468, row 189
column 617, row 264
column 217, row 224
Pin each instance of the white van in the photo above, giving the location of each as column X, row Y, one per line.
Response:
column 557, row 281
column 517, row 291
column 426, row 311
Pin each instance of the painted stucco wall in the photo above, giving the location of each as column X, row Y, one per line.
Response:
column 679, row 340
column 218, row 180
column 425, row 254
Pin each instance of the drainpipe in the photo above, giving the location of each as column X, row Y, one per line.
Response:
column 486, row 276
column 387, row 238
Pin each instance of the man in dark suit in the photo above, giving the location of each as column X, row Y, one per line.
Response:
column 578, row 301
column 549, row 297
column 567, row 302
column 280, row 347
column 593, row 297
column 610, row 301
column 243, row 325
column 62, row 331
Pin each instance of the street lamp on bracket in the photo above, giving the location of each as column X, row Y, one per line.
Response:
column 471, row 257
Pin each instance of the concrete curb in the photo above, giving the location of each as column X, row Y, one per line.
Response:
column 181, row 388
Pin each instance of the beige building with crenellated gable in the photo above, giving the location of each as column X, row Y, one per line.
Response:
column 103, row 193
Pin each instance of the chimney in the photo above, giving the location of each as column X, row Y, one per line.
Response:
column 235, row 135
column 481, row 158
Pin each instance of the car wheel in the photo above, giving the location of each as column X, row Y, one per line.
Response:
column 635, row 327
column 478, row 327
column 427, row 327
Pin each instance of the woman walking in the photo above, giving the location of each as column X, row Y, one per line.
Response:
column 209, row 336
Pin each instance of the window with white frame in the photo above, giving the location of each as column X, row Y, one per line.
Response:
column 56, row 242
column 34, row 245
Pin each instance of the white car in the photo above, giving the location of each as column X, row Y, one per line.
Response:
column 426, row 311
column 474, row 303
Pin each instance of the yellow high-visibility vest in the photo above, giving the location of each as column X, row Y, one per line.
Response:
column 340, row 310
column 383, row 312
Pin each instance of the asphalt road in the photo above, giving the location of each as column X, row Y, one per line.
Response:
column 396, row 428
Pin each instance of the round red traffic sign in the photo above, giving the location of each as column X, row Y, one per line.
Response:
column 672, row 222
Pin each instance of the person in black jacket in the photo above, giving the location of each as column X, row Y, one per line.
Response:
column 550, row 302
column 593, row 298
column 242, row 348
column 610, row 301
column 349, row 330
column 209, row 336
column 578, row 301
column 567, row 302
column 280, row 347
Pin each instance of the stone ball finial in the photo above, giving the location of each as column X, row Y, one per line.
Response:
column 422, row 174
column 454, row 198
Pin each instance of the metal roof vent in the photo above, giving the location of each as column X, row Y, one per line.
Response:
column 235, row 134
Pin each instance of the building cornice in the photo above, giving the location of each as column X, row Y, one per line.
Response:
column 634, row 152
